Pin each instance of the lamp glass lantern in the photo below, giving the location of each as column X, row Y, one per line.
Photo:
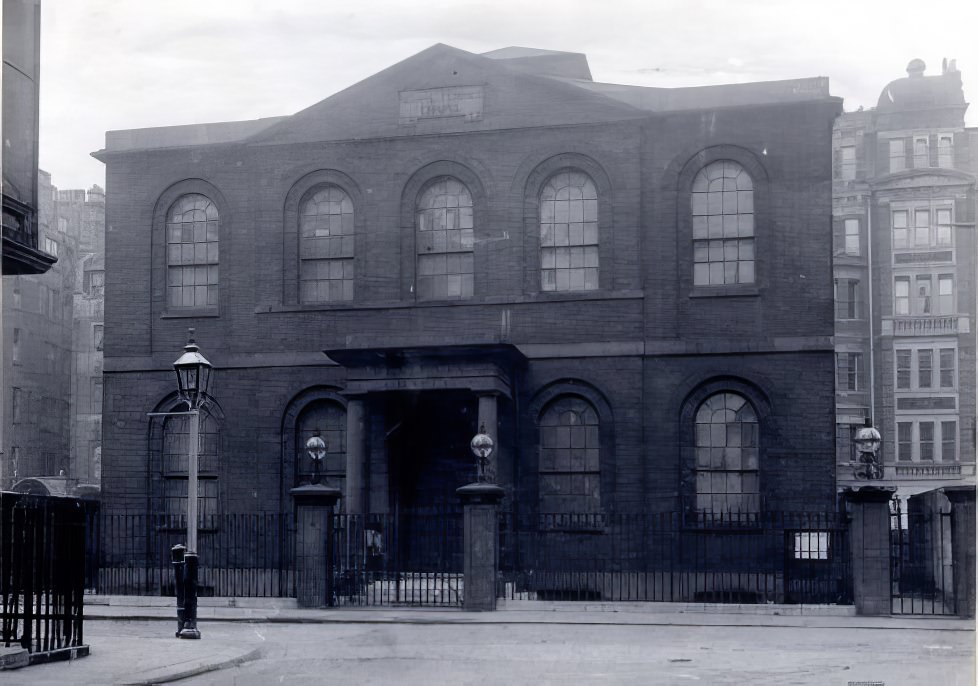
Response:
column 193, row 374
column 316, row 448
column 867, row 439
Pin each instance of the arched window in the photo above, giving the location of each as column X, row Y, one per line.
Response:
column 569, row 233
column 191, row 252
column 326, row 246
column 173, row 469
column 726, row 465
column 327, row 419
column 723, row 225
column 445, row 238
column 570, row 457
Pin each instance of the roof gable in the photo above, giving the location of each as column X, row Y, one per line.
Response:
column 445, row 90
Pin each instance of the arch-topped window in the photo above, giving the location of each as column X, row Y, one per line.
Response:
column 723, row 225
column 192, row 228
column 326, row 245
column 569, row 233
column 726, row 446
column 445, row 239
column 326, row 419
column 173, row 469
column 570, row 457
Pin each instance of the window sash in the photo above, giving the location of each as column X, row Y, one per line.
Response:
column 945, row 150
column 925, row 368
column 848, row 162
column 903, row 362
column 852, row 237
column 949, row 441
column 898, row 158
column 921, row 152
column 948, row 364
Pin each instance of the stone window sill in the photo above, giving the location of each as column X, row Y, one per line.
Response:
column 190, row 312
column 725, row 291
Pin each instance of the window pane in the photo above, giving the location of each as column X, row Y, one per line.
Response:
column 722, row 195
column 903, row 368
column 445, row 230
column 569, row 217
column 726, row 454
column 947, row 367
column 925, row 368
column 569, row 460
column 192, row 239
column 949, row 441
column 904, row 440
column 926, row 440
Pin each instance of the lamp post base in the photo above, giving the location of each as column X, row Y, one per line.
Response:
column 190, row 629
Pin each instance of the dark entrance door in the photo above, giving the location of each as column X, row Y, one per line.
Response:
column 428, row 449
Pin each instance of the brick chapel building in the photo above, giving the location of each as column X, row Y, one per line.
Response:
column 629, row 287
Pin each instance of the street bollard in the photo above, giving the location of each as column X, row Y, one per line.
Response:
column 190, row 629
column 176, row 557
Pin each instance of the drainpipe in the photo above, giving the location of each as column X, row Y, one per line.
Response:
column 869, row 313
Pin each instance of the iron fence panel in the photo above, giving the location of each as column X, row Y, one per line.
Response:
column 241, row 554
column 768, row 557
column 42, row 571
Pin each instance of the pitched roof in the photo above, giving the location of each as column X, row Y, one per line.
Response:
column 446, row 90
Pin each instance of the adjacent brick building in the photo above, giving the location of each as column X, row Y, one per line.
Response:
column 905, row 267
column 630, row 288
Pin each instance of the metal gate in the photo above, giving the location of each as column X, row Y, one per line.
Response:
column 412, row 558
column 920, row 559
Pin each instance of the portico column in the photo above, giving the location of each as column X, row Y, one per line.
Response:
column 488, row 422
column 356, row 455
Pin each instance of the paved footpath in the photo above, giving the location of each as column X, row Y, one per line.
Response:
column 532, row 643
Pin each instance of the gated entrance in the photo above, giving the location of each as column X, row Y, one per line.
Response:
column 375, row 563
column 921, row 569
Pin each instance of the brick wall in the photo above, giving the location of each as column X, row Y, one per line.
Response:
column 267, row 350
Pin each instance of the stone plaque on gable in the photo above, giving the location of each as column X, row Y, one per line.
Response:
column 441, row 103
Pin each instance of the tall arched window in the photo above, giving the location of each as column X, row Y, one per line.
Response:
column 445, row 238
column 723, row 225
column 726, row 468
column 326, row 246
column 570, row 457
column 569, row 233
column 327, row 419
column 191, row 252
column 173, row 469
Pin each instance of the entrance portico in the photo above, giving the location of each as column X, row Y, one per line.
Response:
column 410, row 415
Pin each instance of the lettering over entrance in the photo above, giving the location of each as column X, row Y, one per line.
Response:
column 441, row 103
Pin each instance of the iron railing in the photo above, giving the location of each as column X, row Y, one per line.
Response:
column 42, row 571
column 242, row 555
column 779, row 557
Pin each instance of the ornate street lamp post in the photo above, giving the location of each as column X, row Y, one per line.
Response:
column 193, row 379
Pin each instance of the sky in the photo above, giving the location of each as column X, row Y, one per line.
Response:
column 125, row 64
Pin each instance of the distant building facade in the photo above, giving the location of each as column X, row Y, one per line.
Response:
column 905, row 268
column 629, row 288
column 52, row 361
